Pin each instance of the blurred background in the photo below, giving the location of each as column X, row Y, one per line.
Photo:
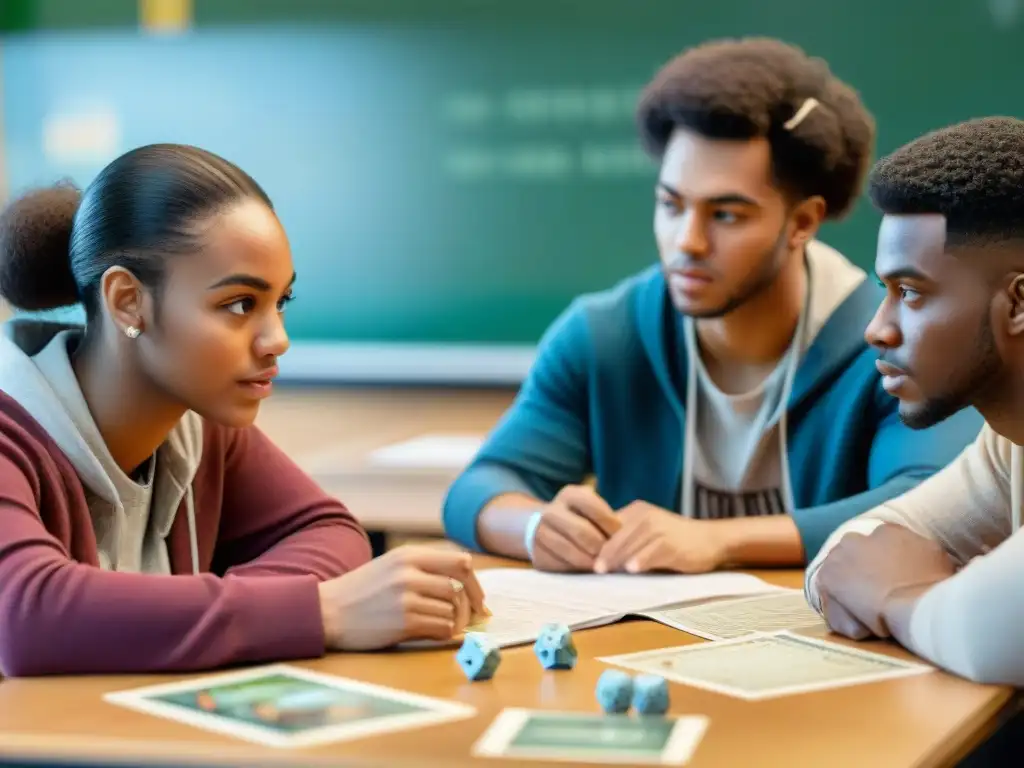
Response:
column 451, row 172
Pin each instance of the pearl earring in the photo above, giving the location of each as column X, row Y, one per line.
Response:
column 132, row 332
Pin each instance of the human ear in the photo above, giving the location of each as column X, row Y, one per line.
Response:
column 1015, row 300
column 806, row 218
column 125, row 299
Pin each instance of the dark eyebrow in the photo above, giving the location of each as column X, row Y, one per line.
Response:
column 904, row 273
column 733, row 198
column 249, row 281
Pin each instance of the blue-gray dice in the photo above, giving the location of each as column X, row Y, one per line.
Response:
column 650, row 695
column 614, row 691
column 555, row 648
column 478, row 657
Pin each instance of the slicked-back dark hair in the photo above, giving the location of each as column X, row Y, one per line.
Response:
column 971, row 172
column 56, row 242
column 748, row 88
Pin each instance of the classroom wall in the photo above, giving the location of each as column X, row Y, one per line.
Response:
column 455, row 172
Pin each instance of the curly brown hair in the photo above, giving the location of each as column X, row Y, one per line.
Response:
column 751, row 87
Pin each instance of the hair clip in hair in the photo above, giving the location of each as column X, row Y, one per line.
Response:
column 805, row 109
column 132, row 332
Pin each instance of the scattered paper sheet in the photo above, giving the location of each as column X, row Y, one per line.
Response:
column 517, row 620
column 619, row 593
column 764, row 666
column 432, row 451
column 726, row 619
column 523, row 600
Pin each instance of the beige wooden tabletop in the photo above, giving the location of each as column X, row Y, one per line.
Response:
column 925, row 720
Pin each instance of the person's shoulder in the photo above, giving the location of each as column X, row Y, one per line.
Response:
column 841, row 290
column 623, row 295
column 615, row 310
column 24, row 441
column 216, row 439
column 607, row 318
column 211, row 462
column 16, row 423
column 994, row 451
column 223, row 444
column 843, row 301
column 862, row 304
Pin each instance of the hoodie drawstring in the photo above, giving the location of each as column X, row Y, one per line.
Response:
column 1016, row 485
column 193, row 539
column 795, row 353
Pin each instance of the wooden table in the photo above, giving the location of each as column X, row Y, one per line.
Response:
column 331, row 432
column 922, row 721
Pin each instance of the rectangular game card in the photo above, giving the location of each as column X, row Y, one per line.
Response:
column 594, row 738
column 726, row 619
column 764, row 666
column 286, row 706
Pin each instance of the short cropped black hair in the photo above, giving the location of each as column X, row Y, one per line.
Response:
column 751, row 87
column 972, row 173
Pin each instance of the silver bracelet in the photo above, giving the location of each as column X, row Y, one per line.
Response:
column 531, row 531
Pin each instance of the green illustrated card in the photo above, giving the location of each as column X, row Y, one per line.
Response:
column 579, row 736
column 285, row 706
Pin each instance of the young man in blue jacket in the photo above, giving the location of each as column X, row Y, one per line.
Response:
column 725, row 401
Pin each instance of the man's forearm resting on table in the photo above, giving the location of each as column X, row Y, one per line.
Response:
column 898, row 611
column 760, row 541
column 971, row 623
column 502, row 524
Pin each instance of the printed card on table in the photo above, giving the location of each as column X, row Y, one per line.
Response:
column 764, row 666
column 524, row 734
column 286, row 706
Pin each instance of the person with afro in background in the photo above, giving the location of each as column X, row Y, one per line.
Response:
column 724, row 402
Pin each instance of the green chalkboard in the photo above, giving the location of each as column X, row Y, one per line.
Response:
column 456, row 171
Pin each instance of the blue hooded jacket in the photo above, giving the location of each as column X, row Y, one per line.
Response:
column 606, row 397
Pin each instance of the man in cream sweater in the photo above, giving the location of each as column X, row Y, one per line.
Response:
column 936, row 569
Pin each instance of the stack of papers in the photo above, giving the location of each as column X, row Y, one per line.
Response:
column 523, row 600
column 728, row 619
